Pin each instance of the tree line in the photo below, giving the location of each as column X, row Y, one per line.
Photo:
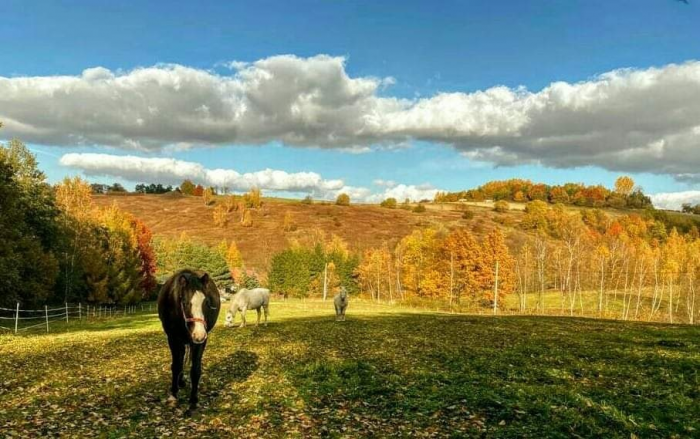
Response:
column 57, row 246
column 623, row 195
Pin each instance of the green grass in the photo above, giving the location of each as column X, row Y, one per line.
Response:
column 385, row 371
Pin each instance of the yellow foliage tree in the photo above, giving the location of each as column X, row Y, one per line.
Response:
column 208, row 196
column 220, row 216
column 343, row 200
column 624, row 185
column 230, row 203
column 247, row 219
column 253, row 199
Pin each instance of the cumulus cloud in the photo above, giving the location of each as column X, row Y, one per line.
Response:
column 624, row 120
column 171, row 171
column 402, row 191
column 674, row 200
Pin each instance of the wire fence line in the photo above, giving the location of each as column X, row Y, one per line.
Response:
column 16, row 320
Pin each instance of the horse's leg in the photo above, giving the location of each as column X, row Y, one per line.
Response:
column 266, row 313
column 258, row 322
column 196, row 352
column 337, row 314
column 177, row 351
column 243, row 311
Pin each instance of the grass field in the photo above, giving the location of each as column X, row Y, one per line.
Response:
column 385, row 371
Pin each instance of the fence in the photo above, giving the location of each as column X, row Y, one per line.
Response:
column 17, row 320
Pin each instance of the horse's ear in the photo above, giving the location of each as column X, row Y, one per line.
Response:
column 204, row 278
column 182, row 281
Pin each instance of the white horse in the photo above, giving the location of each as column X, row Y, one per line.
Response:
column 246, row 299
column 341, row 304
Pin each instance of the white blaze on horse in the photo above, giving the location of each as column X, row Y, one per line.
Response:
column 245, row 300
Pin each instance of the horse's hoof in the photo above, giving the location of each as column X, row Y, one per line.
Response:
column 191, row 411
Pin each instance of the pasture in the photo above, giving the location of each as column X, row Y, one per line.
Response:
column 386, row 371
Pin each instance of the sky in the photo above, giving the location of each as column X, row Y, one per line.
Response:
column 375, row 99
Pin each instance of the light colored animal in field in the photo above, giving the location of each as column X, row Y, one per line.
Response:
column 244, row 300
column 341, row 304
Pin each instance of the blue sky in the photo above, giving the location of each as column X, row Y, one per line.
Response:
column 428, row 48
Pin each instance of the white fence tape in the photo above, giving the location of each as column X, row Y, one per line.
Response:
column 65, row 314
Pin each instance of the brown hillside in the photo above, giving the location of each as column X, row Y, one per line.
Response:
column 362, row 226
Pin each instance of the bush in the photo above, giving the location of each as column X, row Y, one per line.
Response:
column 253, row 199
column 389, row 203
column 220, row 216
column 467, row 215
column 230, row 203
column 343, row 200
column 288, row 225
column 307, row 200
column 501, row 206
column 247, row 219
column 420, row 208
column 208, row 196
column 187, row 187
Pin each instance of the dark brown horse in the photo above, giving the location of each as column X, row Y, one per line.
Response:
column 188, row 306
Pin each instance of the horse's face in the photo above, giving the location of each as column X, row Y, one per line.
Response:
column 193, row 300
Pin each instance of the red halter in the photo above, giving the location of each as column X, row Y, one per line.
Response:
column 192, row 319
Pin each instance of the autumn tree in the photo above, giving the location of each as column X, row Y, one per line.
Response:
column 343, row 200
column 501, row 206
column 247, row 219
column 498, row 274
column 208, row 196
column 220, row 216
column 253, row 199
column 187, row 187
column 624, row 185
column 198, row 191
column 389, row 203
column 230, row 203
column 234, row 259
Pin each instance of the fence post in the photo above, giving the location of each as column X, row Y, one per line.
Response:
column 66, row 312
column 495, row 291
column 16, row 317
column 46, row 312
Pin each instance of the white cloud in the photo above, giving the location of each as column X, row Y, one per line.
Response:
column 623, row 120
column 384, row 183
column 674, row 200
column 403, row 191
column 172, row 171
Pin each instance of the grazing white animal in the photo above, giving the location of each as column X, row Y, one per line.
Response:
column 341, row 304
column 246, row 299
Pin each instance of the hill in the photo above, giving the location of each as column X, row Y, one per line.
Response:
column 387, row 371
column 361, row 226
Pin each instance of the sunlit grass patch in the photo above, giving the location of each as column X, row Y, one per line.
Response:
column 385, row 371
